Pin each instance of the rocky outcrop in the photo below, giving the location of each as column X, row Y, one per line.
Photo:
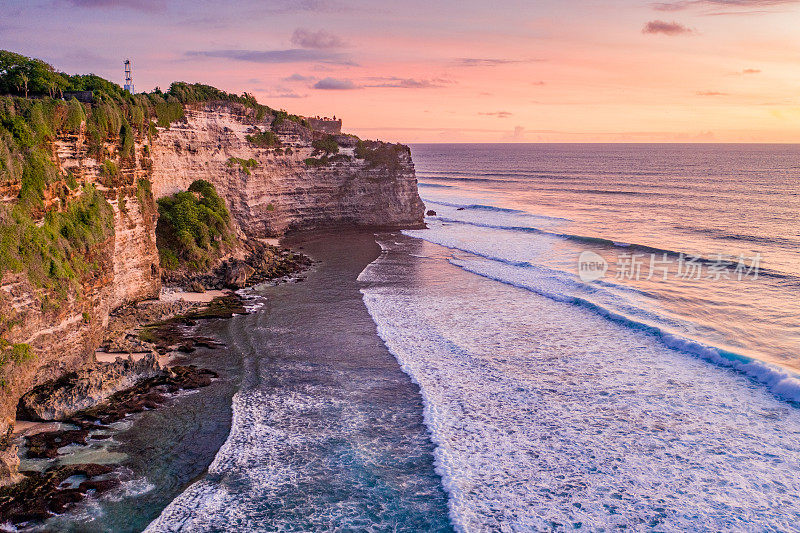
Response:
column 281, row 193
column 61, row 398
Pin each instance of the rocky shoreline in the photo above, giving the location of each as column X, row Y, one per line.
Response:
column 142, row 337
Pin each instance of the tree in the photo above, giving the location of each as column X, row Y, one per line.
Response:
column 21, row 75
column 22, row 79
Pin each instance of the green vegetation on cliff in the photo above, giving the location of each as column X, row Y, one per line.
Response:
column 244, row 164
column 379, row 154
column 327, row 144
column 56, row 251
column 18, row 354
column 264, row 139
column 194, row 228
column 280, row 116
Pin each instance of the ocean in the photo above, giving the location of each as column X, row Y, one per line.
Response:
column 585, row 338
column 656, row 389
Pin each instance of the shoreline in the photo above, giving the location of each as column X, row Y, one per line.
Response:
column 323, row 321
column 316, row 371
column 147, row 349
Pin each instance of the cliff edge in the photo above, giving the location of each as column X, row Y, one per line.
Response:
column 78, row 216
column 291, row 183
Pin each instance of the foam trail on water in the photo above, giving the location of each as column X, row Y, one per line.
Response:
column 547, row 415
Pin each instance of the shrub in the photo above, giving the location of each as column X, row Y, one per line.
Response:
column 126, row 140
column 280, row 116
column 109, row 169
column 378, row 154
column 55, row 250
column 144, row 195
column 244, row 164
column 327, row 145
column 17, row 353
column 72, row 183
column 264, row 139
column 38, row 172
column 361, row 150
column 75, row 116
column 340, row 157
column 314, row 162
column 168, row 112
column 193, row 227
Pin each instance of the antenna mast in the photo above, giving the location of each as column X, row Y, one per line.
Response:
column 128, row 77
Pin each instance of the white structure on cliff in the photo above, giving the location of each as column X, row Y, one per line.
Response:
column 128, row 77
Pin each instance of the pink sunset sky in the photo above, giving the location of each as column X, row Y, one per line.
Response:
column 455, row 71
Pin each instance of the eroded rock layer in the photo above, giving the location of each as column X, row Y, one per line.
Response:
column 282, row 193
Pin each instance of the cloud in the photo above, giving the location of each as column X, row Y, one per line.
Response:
column 667, row 28
column 408, row 83
column 283, row 92
column 751, row 71
column 491, row 62
column 293, row 55
column 140, row 5
column 296, row 6
column 317, row 40
column 667, row 6
column 538, row 83
column 498, row 114
column 299, row 77
column 336, row 84
column 721, row 4
column 710, row 93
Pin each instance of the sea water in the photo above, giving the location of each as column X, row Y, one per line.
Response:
column 546, row 400
column 663, row 403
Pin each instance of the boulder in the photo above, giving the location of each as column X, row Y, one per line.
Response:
column 431, row 213
column 236, row 274
column 59, row 399
column 196, row 286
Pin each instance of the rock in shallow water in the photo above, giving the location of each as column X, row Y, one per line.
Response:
column 58, row 399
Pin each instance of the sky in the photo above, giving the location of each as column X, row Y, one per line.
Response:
column 454, row 70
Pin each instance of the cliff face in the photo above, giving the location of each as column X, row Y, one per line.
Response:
column 281, row 193
column 63, row 334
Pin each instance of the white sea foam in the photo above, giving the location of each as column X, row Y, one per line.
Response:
column 549, row 416
column 511, row 261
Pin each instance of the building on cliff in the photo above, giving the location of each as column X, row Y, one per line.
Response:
column 332, row 126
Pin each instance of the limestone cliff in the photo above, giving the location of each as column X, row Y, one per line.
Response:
column 64, row 333
column 278, row 192
column 282, row 193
